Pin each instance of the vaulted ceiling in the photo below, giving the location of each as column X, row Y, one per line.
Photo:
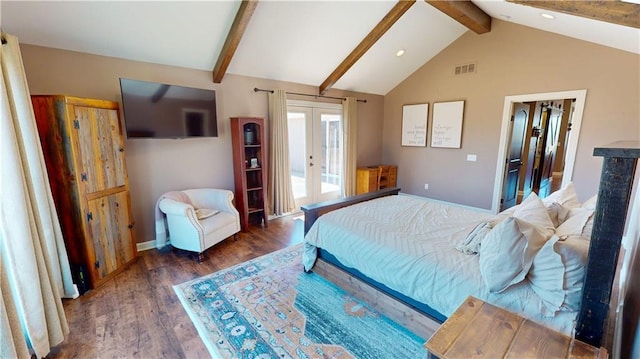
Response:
column 348, row 45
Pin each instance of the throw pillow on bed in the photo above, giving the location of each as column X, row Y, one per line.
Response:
column 575, row 222
column 533, row 210
column 566, row 197
column 557, row 273
column 508, row 251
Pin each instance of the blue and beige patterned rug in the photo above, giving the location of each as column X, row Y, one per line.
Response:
column 270, row 308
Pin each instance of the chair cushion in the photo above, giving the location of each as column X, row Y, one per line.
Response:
column 217, row 222
column 204, row 213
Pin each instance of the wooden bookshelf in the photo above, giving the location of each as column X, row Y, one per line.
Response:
column 249, row 143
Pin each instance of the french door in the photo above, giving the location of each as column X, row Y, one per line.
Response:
column 315, row 151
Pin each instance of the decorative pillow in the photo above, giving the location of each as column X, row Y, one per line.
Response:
column 558, row 213
column 591, row 203
column 566, row 196
column 559, row 201
column 557, row 273
column 533, row 210
column 588, row 228
column 203, row 213
column 575, row 222
column 508, row 251
column 503, row 215
column 471, row 244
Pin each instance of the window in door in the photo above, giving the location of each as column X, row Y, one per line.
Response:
column 315, row 151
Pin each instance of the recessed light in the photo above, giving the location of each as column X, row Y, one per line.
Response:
column 547, row 16
column 400, row 52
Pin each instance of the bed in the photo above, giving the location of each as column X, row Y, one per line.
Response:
column 409, row 249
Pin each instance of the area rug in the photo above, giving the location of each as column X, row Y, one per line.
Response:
column 269, row 308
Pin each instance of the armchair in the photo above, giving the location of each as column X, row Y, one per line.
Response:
column 199, row 218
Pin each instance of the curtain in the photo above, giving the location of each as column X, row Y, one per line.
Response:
column 34, row 269
column 280, row 193
column 349, row 144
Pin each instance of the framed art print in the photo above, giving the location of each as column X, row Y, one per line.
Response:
column 446, row 129
column 414, row 124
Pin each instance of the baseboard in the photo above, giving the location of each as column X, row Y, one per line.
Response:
column 145, row 246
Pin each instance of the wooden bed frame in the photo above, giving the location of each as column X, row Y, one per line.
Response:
column 614, row 193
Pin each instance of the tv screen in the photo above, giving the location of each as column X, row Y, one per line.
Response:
column 155, row 110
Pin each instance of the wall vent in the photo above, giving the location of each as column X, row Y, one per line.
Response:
column 469, row 68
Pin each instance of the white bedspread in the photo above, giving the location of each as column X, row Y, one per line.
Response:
column 408, row 244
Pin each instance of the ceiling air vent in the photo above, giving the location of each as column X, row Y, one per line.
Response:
column 469, row 68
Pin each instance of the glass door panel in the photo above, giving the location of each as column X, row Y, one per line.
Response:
column 299, row 123
column 315, row 152
column 331, row 153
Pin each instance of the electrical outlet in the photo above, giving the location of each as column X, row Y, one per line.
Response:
column 472, row 157
column 426, row 186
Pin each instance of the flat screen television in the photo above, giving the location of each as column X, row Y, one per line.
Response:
column 155, row 110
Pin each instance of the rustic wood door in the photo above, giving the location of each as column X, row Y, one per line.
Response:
column 513, row 164
column 100, row 146
column 110, row 227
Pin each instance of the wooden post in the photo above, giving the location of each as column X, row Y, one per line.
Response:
column 614, row 193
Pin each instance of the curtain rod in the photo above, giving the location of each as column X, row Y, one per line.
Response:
column 255, row 89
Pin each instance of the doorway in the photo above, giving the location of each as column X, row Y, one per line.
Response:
column 530, row 156
column 315, row 150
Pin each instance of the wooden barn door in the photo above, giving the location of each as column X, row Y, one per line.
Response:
column 514, row 157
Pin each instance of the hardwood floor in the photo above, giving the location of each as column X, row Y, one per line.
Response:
column 138, row 315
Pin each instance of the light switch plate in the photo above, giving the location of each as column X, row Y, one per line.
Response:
column 472, row 157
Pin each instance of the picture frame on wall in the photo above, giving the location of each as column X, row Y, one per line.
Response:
column 446, row 128
column 414, row 124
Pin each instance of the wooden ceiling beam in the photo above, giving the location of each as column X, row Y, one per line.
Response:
column 385, row 24
column 464, row 12
column 233, row 38
column 615, row 12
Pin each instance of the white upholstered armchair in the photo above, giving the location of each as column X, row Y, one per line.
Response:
column 199, row 218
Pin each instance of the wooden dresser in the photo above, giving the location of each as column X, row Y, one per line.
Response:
column 373, row 178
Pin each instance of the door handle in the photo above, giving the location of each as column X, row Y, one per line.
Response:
column 311, row 164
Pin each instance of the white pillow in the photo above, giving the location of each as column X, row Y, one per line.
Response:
column 533, row 210
column 558, row 213
column 557, row 273
column 575, row 222
column 508, row 251
column 503, row 215
column 565, row 196
column 591, row 203
column 203, row 213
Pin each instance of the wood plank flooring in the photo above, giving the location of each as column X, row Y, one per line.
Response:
column 138, row 315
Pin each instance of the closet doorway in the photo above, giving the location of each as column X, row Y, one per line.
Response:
column 539, row 139
column 315, row 150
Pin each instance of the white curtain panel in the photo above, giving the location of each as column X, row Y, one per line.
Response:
column 34, row 268
column 349, row 144
column 280, row 191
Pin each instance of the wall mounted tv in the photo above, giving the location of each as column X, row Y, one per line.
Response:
column 154, row 110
